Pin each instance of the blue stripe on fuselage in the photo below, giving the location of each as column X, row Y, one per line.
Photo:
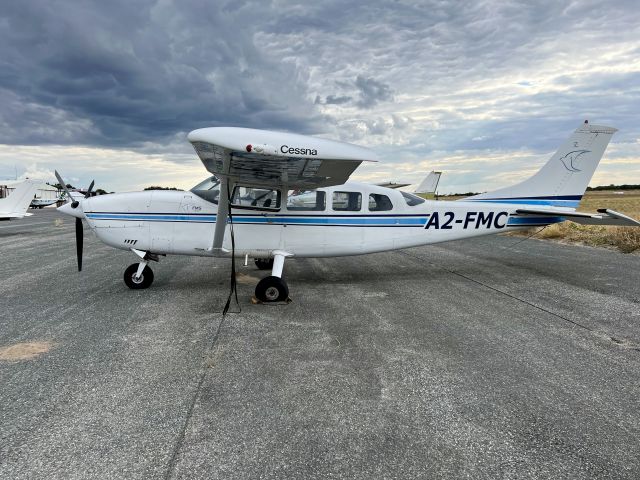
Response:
column 319, row 220
column 555, row 201
column 315, row 220
column 551, row 203
column 364, row 221
column 151, row 217
column 529, row 221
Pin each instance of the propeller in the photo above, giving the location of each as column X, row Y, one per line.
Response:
column 79, row 242
column 79, row 230
column 79, row 227
column 88, row 194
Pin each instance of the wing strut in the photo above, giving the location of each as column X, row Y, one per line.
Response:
column 224, row 199
column 221, row 217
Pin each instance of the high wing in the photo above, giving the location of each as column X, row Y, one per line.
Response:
column 262, row 158
column 274, row 159
column 604, row 216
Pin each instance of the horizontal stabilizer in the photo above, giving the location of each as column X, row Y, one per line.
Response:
column 603, row 217
column 392, row 185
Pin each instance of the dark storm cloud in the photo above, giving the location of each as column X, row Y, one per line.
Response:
column 457, row 65
column 368, row 93
column 337, row 100
column 371, row 92
column 120, row 73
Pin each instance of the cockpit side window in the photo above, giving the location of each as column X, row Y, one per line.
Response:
column 412, row 200
column 255, row 198
column 347, row 201
column 379, row 203
column 208, row 190
column 306, row 200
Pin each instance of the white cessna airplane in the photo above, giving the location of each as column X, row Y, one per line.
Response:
column 43, row 202
column 17, row 203
column 249, row 207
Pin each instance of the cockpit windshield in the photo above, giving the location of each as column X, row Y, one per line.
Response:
column 208, row 189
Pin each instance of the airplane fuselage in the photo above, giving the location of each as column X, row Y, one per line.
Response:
column 271, row 203
column 182, row 223
column 42, row 202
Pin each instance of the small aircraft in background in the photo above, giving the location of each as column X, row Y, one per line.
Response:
column 429, row 186
column 393, row 185
column 16, row 204
column 426, row 189
column 43, row 202
column 274, row 196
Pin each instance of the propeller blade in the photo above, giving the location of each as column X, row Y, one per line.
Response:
column 79, row 242
column 64, row 185
column 74, row 203
column 88, row 194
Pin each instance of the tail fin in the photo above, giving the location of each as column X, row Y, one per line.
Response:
column 564, row 178
column 17, row 203
column 430, row 183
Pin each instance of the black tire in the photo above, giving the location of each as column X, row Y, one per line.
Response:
column 145, row 280
column 272, row 289
column 264, row 263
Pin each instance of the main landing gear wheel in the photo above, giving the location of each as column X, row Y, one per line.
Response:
column 272, row 289
column 264, row 264
column 144, row 281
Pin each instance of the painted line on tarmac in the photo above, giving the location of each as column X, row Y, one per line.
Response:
column 173, row 460
column 594, row 331
column 478, row 282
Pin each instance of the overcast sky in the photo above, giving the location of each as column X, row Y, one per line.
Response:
column 483, row 90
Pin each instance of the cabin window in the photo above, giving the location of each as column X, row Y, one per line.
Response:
column 306, row 200
column 379, row 203
column 208, row 190
column 412, row 200
column 347, row 201
column 255, row 198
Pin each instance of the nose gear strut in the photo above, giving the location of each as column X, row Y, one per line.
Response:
column 273, row 288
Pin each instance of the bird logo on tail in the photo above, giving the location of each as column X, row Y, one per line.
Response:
column 570, row 158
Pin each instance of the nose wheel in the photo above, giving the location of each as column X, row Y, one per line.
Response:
column 136, row 279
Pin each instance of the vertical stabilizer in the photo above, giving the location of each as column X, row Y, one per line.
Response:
column 430, row 183
column 564, row 178
column 17, row 203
